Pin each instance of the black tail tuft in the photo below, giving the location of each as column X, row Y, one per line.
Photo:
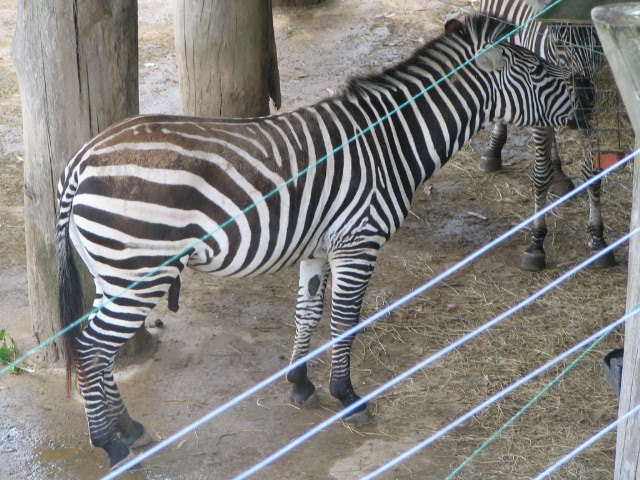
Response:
column 70, row 300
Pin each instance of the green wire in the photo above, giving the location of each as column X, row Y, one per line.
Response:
column 528, row 405
column 264, row 198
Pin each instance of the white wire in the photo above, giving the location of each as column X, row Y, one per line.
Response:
column 587, row 443
column 462, row 419
column 385, row 311
column 374, row 393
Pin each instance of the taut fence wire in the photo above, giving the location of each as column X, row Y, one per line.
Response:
column 381, row 313
column 212, row 414
column 275, row 191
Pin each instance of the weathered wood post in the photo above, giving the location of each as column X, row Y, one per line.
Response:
column 77, row 65
column 619, row 29
column 226, row 54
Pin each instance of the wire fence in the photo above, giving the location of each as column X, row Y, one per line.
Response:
column 176, row 258
column 420, row 365
column 436, row 280
column 380, row 314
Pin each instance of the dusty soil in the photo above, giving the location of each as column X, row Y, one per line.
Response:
column 229, row 334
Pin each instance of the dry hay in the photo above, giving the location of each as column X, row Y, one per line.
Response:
column 577, row 406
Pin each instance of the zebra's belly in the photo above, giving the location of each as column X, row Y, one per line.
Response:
column 246, row 261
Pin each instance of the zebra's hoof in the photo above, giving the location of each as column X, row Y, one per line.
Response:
column 490, row 163
column 119, row 453
column 607, row 260
column 118, row 464
column 561, row 185
column 142, row 441
column 136, row 436
column 533, row 261
column 363, row 417
column 311, row 401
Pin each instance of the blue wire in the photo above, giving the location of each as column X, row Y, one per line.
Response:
column 290, row 446
column 385, row 311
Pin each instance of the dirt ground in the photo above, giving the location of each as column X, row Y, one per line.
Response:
column 229, row 334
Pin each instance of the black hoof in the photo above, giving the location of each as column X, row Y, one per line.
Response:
column 137, row 436
column 363, row 417
column 311, row 402
column 490, row 163
column 307, row 398
column 119, row 453
column 533, row 261
column 607, row 260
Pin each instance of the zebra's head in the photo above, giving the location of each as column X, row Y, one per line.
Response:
column 533, row 91
column 521, row 88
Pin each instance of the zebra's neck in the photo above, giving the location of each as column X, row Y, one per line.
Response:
column 429, row 118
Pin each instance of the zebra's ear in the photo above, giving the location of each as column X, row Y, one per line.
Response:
column 452, row 25
column 491, row 60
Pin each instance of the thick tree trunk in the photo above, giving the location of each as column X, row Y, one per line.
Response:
column 226, row 53
column 77, row 64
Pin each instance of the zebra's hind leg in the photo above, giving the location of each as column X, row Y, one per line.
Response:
column 534, row 257
column 95, row 364
column 595, row 225
column 561, row 184
column 119, row 433
column 492, row 158
column 351, row 276
column 110, row 426
column 309, row 306
column 131, row 432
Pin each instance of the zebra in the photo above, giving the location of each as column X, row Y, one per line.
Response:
column 135, row 200
column 552, row 41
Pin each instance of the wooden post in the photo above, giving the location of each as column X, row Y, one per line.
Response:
column 226, row 53
column 619, row 29
column 77, row 65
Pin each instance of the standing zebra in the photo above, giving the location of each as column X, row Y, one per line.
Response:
column 553, row 42
column 146, row 189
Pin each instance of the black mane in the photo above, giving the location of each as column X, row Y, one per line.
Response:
column 470, row 27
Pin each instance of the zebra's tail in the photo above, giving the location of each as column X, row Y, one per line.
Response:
column 69, row 283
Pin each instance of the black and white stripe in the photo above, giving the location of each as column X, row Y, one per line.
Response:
column 577, row 49
column 148, row 188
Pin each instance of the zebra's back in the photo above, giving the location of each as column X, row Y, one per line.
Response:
column 193, row 175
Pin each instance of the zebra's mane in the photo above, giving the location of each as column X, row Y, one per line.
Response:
column 475, row 31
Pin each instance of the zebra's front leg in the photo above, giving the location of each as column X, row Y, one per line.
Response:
column 492, row 158
column 534, row 257
column 595, row 224
column 350, row 280
column 309, row 306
